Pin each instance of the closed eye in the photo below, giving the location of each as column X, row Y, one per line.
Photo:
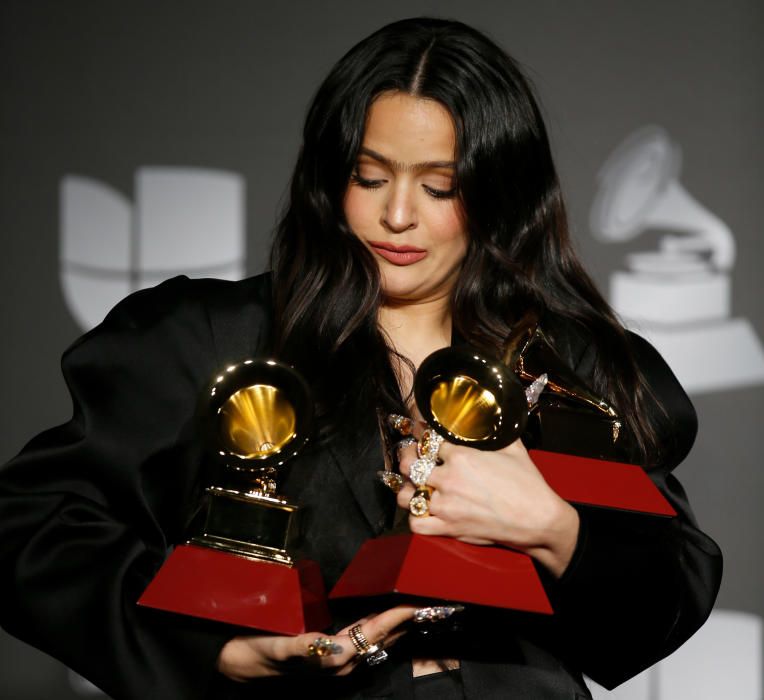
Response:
column 363, row 182
column 373, row 184
column 440, row 194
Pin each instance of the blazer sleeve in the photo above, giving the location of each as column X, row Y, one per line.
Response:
column 90, row 508
column 639, row 586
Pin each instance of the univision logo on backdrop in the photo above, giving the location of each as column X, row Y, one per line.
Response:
column 182, row 221
column 680, row 295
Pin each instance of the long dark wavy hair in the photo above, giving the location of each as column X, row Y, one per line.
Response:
column 520, row 258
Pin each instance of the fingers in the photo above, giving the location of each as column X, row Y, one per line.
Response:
column 345, row 631
column 404, row 495
column 382, row 629
column 407, row 454
column 381, row 626
column 248, row 657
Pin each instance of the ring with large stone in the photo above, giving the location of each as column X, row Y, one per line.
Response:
column 373, row 654
column 419, row 505
column 322, row 646
column 429, row 445
column 420, row 471
column 392, row 480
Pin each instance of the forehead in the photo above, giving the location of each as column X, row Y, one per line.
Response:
column 409, row 130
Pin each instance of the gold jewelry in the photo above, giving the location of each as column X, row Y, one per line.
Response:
column 373, row 654
column 392, row 480
column 322, row 646
column 419, row 505
column 429, row 445
column 420, row 471
column 403, row 424
column 358, row 638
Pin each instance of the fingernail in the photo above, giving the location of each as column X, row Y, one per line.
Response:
column 436, row 613
column 404, row 425
column 392, row 480
column 403, row 444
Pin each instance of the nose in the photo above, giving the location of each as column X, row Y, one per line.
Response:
column 399, row 214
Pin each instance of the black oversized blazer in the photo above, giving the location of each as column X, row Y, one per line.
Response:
column 88, row 511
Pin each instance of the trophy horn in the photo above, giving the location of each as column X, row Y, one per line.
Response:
column 261, row 413
column 473, row 399
column 470, row 398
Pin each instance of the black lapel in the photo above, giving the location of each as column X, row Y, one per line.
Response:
column 359, row 457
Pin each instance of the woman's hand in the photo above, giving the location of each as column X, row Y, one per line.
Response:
column 257, row 656
column 495, row 498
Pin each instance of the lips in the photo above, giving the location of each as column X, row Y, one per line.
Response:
column 398, row 254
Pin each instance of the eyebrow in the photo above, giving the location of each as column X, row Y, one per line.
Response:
column 397, row 166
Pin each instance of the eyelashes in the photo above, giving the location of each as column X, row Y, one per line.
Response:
column 440, row 194
column 375, row 184
column 366, row 184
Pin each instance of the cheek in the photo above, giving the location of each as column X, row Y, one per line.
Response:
column 449, row 230
column 358, row 209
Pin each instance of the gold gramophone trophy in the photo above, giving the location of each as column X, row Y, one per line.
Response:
column 475, row 400
column 240, row 566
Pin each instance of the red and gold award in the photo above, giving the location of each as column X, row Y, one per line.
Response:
column 239, row 566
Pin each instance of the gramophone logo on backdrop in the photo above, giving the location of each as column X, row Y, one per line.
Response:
column 680, row 295
column 184, row 221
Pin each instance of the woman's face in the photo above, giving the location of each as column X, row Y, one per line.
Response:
column 401, row 200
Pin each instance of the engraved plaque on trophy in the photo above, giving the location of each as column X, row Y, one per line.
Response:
column 240, row 566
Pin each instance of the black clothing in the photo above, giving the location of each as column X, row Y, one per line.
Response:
column 90, row 508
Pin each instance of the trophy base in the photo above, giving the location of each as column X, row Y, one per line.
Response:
column 211, row 584
column 600, row 482
column 446, row 569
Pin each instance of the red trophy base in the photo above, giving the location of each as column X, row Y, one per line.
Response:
column 215, row 585
column 444, row 568
column 599, row 482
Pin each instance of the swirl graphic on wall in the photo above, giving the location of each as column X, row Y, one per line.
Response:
column 679, row 296
column 184, row 221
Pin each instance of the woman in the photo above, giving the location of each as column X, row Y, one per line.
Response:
column 424, row 210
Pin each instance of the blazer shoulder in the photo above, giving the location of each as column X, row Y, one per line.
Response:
column 176, row 293
column 240, row 314
column 232, row 319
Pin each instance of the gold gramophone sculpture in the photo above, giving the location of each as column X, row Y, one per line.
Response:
column 240, row 566
column 486, row 403
column 475, row 400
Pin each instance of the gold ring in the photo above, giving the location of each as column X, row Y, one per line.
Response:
column 429, row 445
column 322, row 646
column 419, row 505
column 392, row 480
column 373, row 654
column 358, row 638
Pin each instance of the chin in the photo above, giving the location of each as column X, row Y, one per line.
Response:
column 412, row 284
